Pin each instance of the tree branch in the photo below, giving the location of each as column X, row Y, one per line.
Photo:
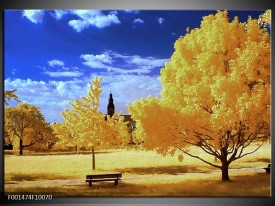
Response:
column 207, row 146
column 28, row 145
column 240, row 156
column 197, row 157
column 207, row 129
column 207, row 109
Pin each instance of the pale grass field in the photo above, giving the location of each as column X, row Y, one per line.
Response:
column 144, row 174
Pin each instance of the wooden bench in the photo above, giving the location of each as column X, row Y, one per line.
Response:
column 267, row 169
column 103, row 177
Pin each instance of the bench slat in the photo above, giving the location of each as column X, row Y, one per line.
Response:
column 101, row 180
column 103, row 176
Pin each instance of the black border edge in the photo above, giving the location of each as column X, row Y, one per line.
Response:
column 140, row 4
column 128, row 4
column 2, row 103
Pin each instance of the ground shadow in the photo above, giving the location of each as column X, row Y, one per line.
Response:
column 36, row 177
column 267, row 160
column 241, row 185
column 47, row 153
column 171, row 170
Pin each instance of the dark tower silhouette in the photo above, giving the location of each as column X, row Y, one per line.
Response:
column 111, row 106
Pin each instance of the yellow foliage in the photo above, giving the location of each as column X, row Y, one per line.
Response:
column 266, row 17
column 85, row 126
column 217, row 83
column 26, row 124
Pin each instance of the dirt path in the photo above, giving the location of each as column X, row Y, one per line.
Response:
column 149, row 178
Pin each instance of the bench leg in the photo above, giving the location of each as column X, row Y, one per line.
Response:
column 90, row 184
column 116, row 182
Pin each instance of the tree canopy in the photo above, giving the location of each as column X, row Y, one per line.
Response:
column 88, row 126
column 85, row 126
column 26, row 124
column 215, row 93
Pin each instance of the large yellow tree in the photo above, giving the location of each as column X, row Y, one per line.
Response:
column 85, row 126
column 215, row 93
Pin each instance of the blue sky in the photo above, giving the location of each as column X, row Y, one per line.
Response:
column 51, row 56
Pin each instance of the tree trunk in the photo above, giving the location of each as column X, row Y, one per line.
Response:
column 224, row 168
column 76, row 149
column 20, row 147
column 93, row 154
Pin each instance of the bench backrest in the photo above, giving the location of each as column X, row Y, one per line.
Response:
column 98, row 176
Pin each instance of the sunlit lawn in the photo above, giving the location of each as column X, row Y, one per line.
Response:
column 144, row 174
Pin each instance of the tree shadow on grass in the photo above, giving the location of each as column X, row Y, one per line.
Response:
column 266, row 160
column 241, row 185
column 99, row 189
column 36, row 177
column 47, row 153
column 171, row 170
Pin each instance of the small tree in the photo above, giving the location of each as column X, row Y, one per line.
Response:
column 215, row 94
column 88, row 127
column 26, row 123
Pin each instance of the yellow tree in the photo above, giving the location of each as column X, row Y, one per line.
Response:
column 265, row 18
column 8, row 95
column 215, row 94
column 64, row 137
column 88, row 127
column 26, row 123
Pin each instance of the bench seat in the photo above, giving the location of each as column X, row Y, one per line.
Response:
column 267, row 169
column 103, row 177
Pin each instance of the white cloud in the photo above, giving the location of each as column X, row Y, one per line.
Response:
column 13, row 71
column 140, row 21
column 52, row 97
column 78, row 25
column 113, row 12
column 128, row 88
column 123, row 64
column 56, row 62
column 161, row 20
column 80, row 19
column 132, row 11
column 35, row 16
column 147, row 61
column 96, row 61
column 58, row 14
column 87, row 18
column 130, row 71
column 61, row 88
column 57, row 69
column 64, row 74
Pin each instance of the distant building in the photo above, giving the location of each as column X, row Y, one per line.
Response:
column 127, row 117
column 111, row 106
